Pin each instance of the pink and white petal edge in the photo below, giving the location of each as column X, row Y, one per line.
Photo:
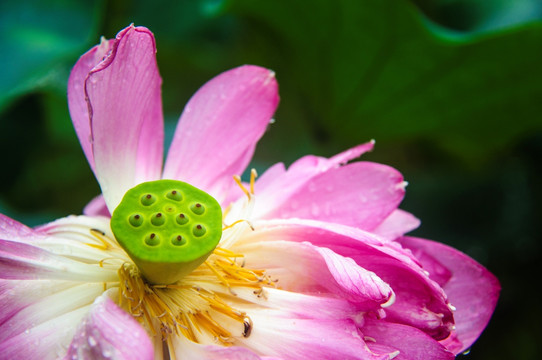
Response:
column 368, row 194
column 303, row 267
column 327, row 339
column 97, row 207
column 108, row 332
column 77, row 97
column 405, row 342
column 188, row 350
column 472, row 289
column 419, row 302
column 277, row 179
column 13, row 230
column 397, row 224
column 123, row 94
column 222, row 121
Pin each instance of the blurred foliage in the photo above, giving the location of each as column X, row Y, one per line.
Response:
column 450, row 89
column 381, row 71
column 39, row 39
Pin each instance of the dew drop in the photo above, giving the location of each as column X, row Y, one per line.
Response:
column 91, row 341
column 107, row 353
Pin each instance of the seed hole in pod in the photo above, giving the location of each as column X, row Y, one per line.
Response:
column 135, row 220
column 158, row 219
column 178, row 240
column 181, row 219
column 148, row 199
column 197, row 208
column 152, row 239
column 174, row 195
column 199, row 230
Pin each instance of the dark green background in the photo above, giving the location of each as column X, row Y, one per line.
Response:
column 451, row 90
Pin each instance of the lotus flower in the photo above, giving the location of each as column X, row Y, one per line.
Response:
column 309, row 262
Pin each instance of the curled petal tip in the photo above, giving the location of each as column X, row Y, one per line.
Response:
column 402, row 185
column 270, row 77
column 390, row 301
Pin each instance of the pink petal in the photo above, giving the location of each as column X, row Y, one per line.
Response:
column 294, row 304
column 314, row 164
column 352, row 153
column 77, row 98
column 108, row 332
column 272, row 174
column 122, row 92
column 15, row 231
column 355, row 280
column 17, row 295
column 188, row 350
column 411, row 343
column 44, row 304
column 20, row 261
column 48, row 340
column 470, row 287
column 268, row 178
column 360, row 194
column 307, row 338
column 220, row 126
column 419, row 301
column 303, row 267
column 396, row 225
column 97, row 206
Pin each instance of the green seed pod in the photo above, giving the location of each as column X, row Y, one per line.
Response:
column 161, row 233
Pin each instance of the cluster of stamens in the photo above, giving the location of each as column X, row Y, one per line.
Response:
column 189, row 306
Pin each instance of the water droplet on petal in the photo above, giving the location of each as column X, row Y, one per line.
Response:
column 91, row 341
column 107, row 354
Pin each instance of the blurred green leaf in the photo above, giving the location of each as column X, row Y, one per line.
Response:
column 380, row 69
column 37, row 38
column 481, row 15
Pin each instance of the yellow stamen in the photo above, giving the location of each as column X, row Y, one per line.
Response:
column 218, row 275
column 238, row 222
column 237, row 179
column 190, row 306
column 227, row 253
column 253, row 176
column 102, row 238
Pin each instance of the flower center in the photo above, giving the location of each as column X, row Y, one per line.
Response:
column 168, row 228
column 200, row 306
